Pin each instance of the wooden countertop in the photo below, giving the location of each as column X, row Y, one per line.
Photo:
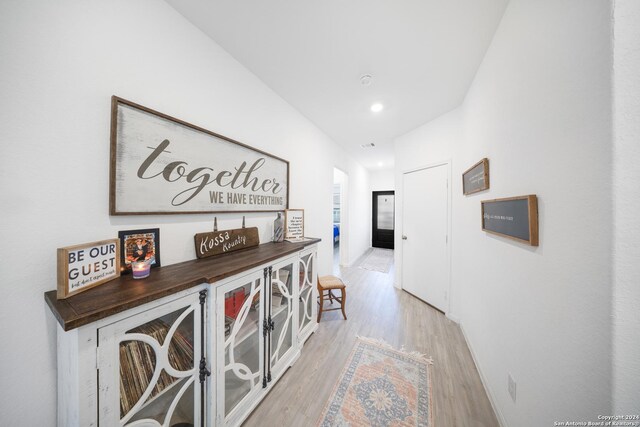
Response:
column 124, row 292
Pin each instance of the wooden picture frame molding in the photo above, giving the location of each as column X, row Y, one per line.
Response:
column 163, row 165
column 85, row 266
column 515, row 218
column 476, row 178
column 294, row 225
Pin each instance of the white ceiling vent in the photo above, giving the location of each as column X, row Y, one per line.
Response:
column 369, row 145
column 366, row 79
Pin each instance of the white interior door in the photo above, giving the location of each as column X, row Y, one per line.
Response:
column 425, row 251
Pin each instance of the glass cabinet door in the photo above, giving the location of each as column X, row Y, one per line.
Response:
column 240, row 328
column 306, row 295
column 155, row 358
column 283, row 331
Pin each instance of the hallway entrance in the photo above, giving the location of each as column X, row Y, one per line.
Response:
column 339, row 214
column 383, row 219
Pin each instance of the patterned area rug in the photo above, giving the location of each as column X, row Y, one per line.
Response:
column 378, row 260
column 381, row 386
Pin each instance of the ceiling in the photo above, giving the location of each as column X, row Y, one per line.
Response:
column 422, row 54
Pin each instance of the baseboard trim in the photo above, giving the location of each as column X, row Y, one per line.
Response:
column 492, row 400
column 456, row 319
column 361, row 256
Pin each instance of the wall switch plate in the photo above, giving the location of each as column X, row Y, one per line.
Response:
column 512, row 388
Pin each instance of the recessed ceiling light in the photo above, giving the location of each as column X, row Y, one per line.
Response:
column 377, row 107
column 369, row 145
column 380, row 163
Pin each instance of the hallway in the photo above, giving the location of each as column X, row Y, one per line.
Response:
column 376, row 309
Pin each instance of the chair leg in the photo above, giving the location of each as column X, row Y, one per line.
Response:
column 342, row 302
column 321, row 296
column 331, row 297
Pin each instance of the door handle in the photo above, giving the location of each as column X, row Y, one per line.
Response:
column 404, row 237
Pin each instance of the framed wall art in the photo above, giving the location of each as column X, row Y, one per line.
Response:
column 514, row 217
column 294, row 225
column 476, row 178
column 162, row 165
column 85, row 266
column 139, row 245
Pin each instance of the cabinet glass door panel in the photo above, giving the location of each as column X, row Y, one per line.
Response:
column 242, row 336
column 281, row 312
column 157, row 369
column 306, row 284
column 180, row 395
column 181, row 417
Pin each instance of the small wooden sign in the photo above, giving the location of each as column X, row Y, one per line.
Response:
column 476, row 178
column 85, row 266
column 513, row 217
column 294, row 225
column 225, row 241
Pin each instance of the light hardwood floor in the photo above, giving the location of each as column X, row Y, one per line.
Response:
column 376, row 309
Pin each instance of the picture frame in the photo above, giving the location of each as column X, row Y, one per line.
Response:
column 294, row 225
column 515, row 218
column 476, row 178
column 85, row 266
column 139, row 245
column 163, row 165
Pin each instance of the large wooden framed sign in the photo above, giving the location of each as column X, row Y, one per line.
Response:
column 162, row 165
column 476, row 178
column 513, row 217
column 85, row 266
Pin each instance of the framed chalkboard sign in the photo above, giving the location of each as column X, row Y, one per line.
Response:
column 513, row 217
column 476, row 178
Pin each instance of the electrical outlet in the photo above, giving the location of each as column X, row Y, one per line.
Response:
column 512, row 387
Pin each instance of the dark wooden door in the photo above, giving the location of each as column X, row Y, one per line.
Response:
column 383, row 219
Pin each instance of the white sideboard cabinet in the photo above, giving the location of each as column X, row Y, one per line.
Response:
column 198, row 343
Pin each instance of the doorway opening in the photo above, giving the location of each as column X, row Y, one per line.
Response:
column 339, row 219
column 383, row 219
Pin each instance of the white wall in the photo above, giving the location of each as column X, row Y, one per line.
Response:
column 382, row 180
column 61, row 62
column 358, row 211
column 626, row 267
column 540, row 110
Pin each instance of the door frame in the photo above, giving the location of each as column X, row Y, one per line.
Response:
column 344, row 219
column 448, row 164
column 374, row 212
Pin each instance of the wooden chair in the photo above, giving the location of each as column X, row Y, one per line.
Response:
column 328, row 284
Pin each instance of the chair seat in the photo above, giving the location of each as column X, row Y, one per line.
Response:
column 330, row 282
